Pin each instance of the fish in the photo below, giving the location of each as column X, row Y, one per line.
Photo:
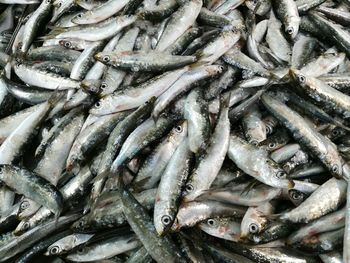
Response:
column 170, row 186
column 174, row 131
column 45, row 193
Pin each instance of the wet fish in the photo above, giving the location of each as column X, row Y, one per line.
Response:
column 213, row 130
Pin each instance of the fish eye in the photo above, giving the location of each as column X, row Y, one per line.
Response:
column 24, row 205
column 189, row 188
column 254, row 142
column 54, row 250
column 135, row 68
column 302, row 79
column 335, row 168
column 296, row 195
column 253, row 228
column 48, row 1
column 103, row 85
column 178, row 129
column 290, row 30
column 106, row 58
column 59, row 4
column 335, row 132
column 80, row 250
column 97, row 104
column 166, row 220
column 281, row 174
column 68, row 44
column 211, row 222
column 25, row 226
column 272, row 145
column 80, row 15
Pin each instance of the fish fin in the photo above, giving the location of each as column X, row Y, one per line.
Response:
column 275, row 79
column 58, row 30
column 101, row 176
column 2, row 74
column 120, row 185
column 141, row 15
column 55, row 97
column 57, row 216
column 52, row 26
column 291, row 184
column 53, row 33
column 18, row 27
column 199, row 54
column 225, row 100
column 39, row 40
column 155, row 117
column 197, row 64
column 249, row 187
column 256, row 8
column 108, row 233
column 341, row 125
column 18, row 57
column 44, row 38
column 274, row 217
column 251, row 26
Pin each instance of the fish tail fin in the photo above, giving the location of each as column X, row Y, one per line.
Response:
column 274, row 217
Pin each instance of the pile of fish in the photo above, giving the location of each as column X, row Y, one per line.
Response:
column 175, row 131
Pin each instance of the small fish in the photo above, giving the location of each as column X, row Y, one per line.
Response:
column 311, row 209
column 169, row 189
column 144, row 61
column 174, row 130
column 32, row 186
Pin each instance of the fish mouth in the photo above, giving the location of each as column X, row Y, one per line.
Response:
column 243, row 237
column 98, row 56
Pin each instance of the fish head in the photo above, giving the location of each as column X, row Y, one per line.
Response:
column 54, row 249
column 23, row 227
column 102, row 57
column 163, row 222
column 296, row 197
column 252, row 223
column 77, row 19
column 333, row 160
column 90, row 85
column 103, row 106
column 298, row 77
